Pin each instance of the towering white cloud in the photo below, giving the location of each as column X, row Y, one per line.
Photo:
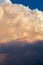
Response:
column 5, row 1
column 20, row 22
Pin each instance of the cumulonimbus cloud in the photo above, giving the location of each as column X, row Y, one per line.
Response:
column 20, row 22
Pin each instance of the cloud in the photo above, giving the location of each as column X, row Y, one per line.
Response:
column 5, row 1
column 29, row 54
column 20, row 22
column 19, row 27
column 2, row 58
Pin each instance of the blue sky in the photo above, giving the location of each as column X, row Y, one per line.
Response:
column 31, row 3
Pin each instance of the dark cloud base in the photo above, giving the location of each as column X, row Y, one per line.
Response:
column 16, row 53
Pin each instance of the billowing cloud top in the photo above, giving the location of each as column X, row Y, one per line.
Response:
column 5, row 1
column 18, row 22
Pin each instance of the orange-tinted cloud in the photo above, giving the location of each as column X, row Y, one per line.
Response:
column 2, row 58
column 18, row 21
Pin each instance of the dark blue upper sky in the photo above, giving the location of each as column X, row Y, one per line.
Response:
column 31, row 3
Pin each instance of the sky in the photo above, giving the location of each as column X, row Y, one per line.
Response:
column 33, row 4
